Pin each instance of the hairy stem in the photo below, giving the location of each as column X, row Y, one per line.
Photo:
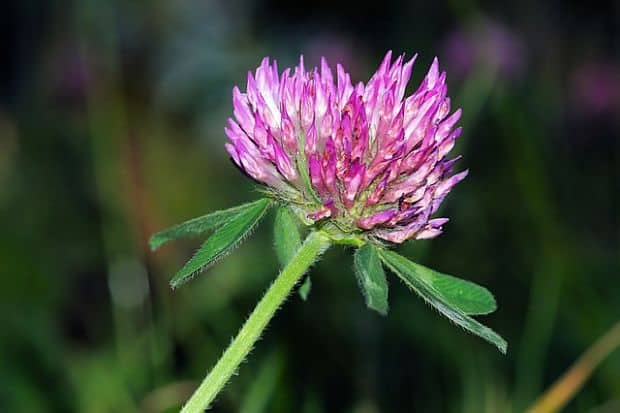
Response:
column 227, row 365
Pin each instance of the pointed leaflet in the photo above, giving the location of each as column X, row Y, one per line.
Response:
column 223, row 240
column 287, row 240
column 470, row 298
column 412, row 275
column 198, row 225
column 371, row 278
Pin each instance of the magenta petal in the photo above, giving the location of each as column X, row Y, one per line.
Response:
column 242, row 110
column 432, row 75
column 378, row 218
column 447, row 144
column 259, row 134
column 328, row 170
column 432, row 229
column 444, row 187
column 385, row 64
column 404, row 77
column 233, row 153
column 326, row 73
column 282, row 161
column 447, row 124
column 428, row 233
column 314, row 166
column 438, row 222
column 377, row 193
column 401, row 234
column 322, row 213
column 352, row 183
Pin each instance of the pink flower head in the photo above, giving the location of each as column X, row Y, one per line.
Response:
column 363, row 156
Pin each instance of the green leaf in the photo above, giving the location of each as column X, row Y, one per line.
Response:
column 223, row 240
column 306, row 286
column 198, row 225
column 286, row 235
column 287, row 240
column 371, row 278
column 470, row 298
column 414, row 276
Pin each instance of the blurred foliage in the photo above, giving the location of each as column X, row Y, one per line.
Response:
column 111, row 128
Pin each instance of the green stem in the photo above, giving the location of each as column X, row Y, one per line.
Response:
column 227, row 365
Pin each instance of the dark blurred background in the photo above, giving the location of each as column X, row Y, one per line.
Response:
column 111, row 128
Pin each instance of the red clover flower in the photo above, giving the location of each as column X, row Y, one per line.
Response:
column 347, row 164
column 365, row 157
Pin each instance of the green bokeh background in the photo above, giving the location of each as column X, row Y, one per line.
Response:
column 111, row 128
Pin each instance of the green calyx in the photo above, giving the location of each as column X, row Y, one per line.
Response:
column 341, row 225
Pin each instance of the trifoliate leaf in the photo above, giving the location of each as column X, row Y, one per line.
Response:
column 415, row 277
column 286, row 238
column 371, row 278
column 223, row 240
column 306, row 286
column 198, row 225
